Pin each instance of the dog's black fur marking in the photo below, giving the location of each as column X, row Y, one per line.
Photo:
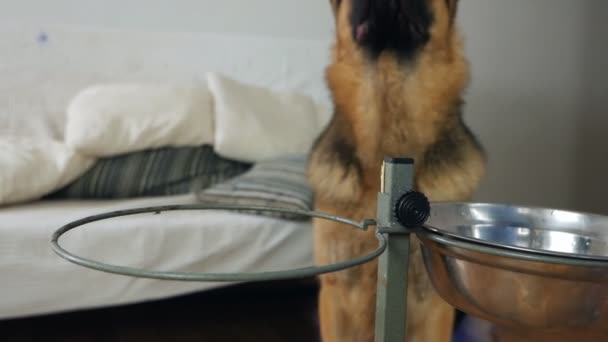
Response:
column 448, row 148
column 340, row 148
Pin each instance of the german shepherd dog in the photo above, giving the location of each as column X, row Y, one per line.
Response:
column 396, row 77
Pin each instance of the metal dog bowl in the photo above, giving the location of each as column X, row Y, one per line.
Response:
column 524, row 267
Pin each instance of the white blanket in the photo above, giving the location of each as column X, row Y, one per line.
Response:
column 243, row 122
column 32, row 167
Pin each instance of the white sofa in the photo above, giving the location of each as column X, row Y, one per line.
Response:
column 41, row 77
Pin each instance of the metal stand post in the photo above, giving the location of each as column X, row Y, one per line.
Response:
column 399, row 210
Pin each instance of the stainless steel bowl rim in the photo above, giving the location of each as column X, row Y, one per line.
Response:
column 445, row 231
column 509, row 252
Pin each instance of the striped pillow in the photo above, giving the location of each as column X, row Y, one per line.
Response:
column 156, row 172
column 280, row 183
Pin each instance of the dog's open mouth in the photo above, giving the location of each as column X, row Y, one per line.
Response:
column 361, row 17
column 400, row 26
column 362, row 31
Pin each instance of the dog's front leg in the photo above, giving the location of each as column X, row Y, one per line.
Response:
column 347, row 307
column 346, row 298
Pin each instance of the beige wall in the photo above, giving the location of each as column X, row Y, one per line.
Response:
column 538, row 99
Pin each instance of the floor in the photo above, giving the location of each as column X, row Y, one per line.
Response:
column 268, row 312
column 258, row 312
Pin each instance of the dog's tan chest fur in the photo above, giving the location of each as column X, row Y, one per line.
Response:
column 386, row 106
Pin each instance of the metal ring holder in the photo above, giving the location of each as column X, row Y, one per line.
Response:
column 214, row 277
column 399, row 210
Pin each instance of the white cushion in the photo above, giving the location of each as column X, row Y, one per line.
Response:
column 33, row 167
column 255, row 123
column 107, row 120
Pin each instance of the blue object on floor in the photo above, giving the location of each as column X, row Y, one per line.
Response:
column 472, row 329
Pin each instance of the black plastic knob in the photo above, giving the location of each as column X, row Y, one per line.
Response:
column 413, row 209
